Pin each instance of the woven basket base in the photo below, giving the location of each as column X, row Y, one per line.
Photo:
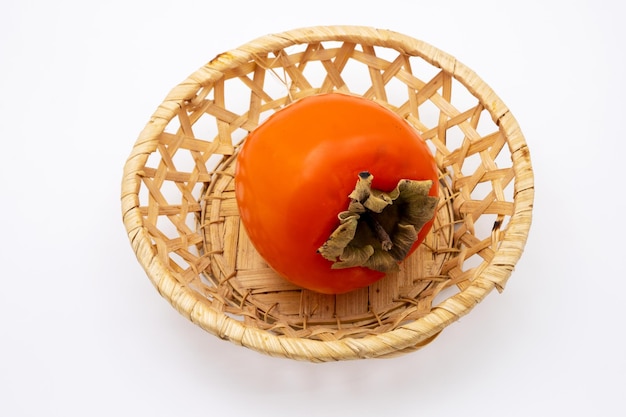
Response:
column 251, row 291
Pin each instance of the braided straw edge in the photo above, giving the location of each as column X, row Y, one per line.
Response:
column 406, row 337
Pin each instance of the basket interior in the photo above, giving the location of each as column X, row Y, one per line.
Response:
column 186, row 190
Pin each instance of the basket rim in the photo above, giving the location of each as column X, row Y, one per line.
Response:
column 189, row 304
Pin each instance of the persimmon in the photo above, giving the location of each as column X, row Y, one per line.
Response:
column 335, row 191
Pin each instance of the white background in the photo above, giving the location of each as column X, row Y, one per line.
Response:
column 84, row 333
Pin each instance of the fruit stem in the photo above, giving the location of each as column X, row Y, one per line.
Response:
column 379, row 228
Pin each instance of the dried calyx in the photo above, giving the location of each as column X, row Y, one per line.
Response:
column 379, row 228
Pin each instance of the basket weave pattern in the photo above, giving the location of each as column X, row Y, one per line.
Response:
column 181, row 215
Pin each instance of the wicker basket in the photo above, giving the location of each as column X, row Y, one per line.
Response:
column 182, row 220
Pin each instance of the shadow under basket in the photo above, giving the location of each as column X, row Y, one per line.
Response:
column 180, row 212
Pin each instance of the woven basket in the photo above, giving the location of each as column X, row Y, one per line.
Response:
column 182, row 220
